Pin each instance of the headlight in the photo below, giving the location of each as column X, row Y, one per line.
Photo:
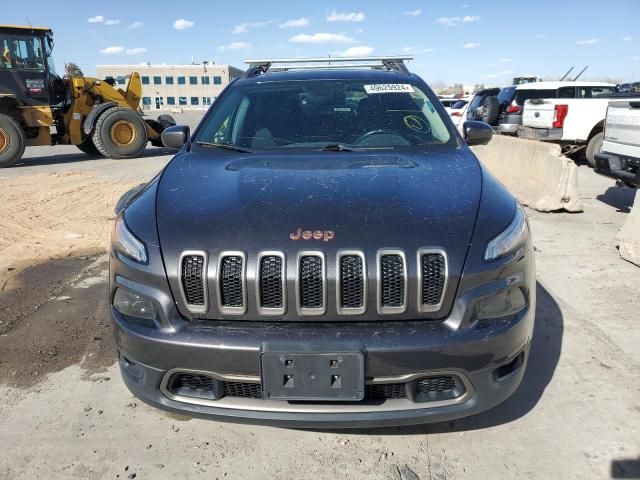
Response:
column 126, row 243
column 512, row 238
column 133, row 305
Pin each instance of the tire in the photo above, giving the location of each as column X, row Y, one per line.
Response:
column 120, row 133
column 12, row 141
column 491, row 110
column 88, row 147
column 593, row 147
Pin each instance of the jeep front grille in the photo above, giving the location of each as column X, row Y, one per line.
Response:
column 432, row 276
column 270, row 283
column 351, row 278
column 192, row 278
column 311, row 283
column 392, row 271
column 231, row 282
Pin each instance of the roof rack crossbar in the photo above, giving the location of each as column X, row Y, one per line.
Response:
column 393, row 63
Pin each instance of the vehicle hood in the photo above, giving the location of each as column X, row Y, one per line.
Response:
column 216, row 200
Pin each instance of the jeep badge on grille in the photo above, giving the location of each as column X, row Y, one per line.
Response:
column 324, row 235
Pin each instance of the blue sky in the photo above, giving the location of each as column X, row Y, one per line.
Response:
column 466, row 41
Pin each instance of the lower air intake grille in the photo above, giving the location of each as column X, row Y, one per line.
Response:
column 351, row 282
column 270, row 287
column 193, row 385
column 311, row 282
column 436, row 384
column 242, row 389
column 433, row 278
column 231, row 285
column 393, row 282
column 192, row 276
column 384, row 391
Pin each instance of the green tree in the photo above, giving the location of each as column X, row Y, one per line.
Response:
column 72, row 70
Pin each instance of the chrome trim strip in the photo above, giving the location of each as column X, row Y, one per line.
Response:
column 235, row 403
column 205, row 267
column 384, row 310
column 427, row 250
column 305, row 310
column 351, row 310
column 269, row 311
column 226, row 310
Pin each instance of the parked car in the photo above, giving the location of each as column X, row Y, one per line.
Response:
column 484, row 106
column 573, row 117
column 457, row 110
column 620, row 155
column 496, row 106
column 324, row 251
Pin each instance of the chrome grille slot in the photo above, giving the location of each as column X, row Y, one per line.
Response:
column 270, row 283
column 351, row 283
column 231, row 283
column 311, row 283
column 392, row 281
column 432, row 276
column 192, row 280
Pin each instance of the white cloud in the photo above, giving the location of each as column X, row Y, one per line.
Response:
column 112, row 50
column 236, row 46
column 588, row 41
column 112, row 22
column 245, row 27
column 505, row 60
column 359, row 51
column 182, row 24
column 295, row 23
column 455, row 21
column 321, row 38
column 96, row 19
column 135, row 51
column 345, row 16
column 541, row 35
column 413, row 13
column 489, row 65
column 471, row 45
column 135, row 25
column 407, row 49
column 628, row 38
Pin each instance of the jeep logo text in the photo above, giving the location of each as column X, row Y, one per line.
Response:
column 324, row 235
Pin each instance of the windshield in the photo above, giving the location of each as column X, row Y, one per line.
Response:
column 21, row 52
column 317, row 114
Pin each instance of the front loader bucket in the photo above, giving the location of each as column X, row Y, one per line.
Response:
column 156, row 127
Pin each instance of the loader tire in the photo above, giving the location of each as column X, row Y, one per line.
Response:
column 120, row 133
column 12, row 141
column 88, row 147
column 594, row 146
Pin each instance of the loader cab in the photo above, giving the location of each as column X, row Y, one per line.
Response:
column 26, row 66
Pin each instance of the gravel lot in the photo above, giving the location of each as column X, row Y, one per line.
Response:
column 65, row 413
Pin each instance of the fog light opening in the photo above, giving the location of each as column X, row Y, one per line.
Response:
column 508, row 369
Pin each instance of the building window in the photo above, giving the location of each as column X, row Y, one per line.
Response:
column 181, row 80
column 145, row 80
column 204, row 80
column 122, row 80
column 193, row 80
column 168, row 80
column 206, row 100
column 146, row 100
column 217, row 80
column 194, row 101
column 171, row 100
column 182, row 100
column 157, row 80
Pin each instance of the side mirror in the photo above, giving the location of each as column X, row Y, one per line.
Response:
column 175, row 137
column 477, row 133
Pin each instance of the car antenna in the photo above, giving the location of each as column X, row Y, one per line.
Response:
column 581, row 72
column 566, row 74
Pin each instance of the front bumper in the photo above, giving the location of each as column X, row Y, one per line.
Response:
column 544, row 134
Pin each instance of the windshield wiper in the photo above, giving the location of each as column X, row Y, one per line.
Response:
column 337, row 147
column 226, row 146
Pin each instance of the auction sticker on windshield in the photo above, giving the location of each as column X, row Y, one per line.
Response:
column 388, row 88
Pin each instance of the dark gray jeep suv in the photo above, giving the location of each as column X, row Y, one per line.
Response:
column 324, row 251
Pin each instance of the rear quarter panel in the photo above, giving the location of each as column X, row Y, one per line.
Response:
column 622, row 132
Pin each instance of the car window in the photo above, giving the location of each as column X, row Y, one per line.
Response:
column 594, row 92
column 314, row 114
column 21, row 52
column 567, row 92
column 524, row 94
column 459, row 104
column 506, row 95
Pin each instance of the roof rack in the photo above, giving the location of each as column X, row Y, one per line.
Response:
column 261, row 66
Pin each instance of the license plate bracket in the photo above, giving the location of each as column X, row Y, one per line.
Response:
column 325, row 376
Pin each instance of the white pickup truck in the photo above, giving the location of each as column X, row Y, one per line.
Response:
column 620, row 155
column 575, row 118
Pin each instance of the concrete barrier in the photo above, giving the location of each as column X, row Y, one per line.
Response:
column 535, row 172
column 629, row 235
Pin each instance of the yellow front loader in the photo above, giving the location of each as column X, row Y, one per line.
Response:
column 37, row 107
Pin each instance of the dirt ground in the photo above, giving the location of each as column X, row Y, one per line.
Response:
column 65, row 413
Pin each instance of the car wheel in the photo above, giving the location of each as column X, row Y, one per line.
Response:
column 12, row 141
column 120, row 133
column 594, row 147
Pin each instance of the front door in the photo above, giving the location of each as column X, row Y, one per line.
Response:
column 159, row 103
